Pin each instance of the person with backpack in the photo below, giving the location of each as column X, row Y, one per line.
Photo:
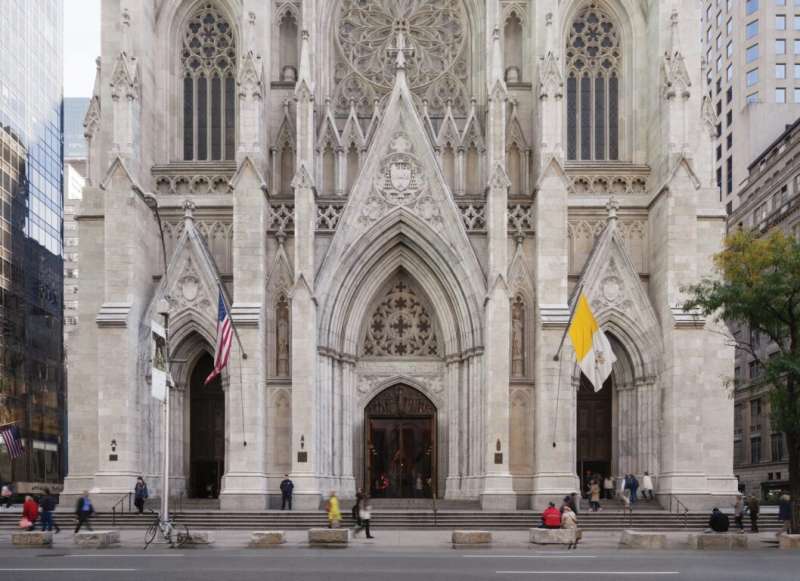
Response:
column 84, row 511
column 364, row 516
column 48, row 507
column 140, row 494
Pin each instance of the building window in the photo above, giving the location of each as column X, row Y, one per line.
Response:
column 729, row 118
column 729, row 141
column 729, row 26
column 208, row 57
column 797, row 22
column 780, row 95
column 755, row 408
column 797, row 95
column 797, row 47
column 719, row 63
column 593, row 87
column 780, row 71
column 719, row 41
column 752, row 77
column 729, row 177
column 777, row 449
column 755, row 450
column 780, row 46
column 780, row 2
column 780, row 22
column 719, row 152
column 751, row 6
column 751, row 54
column 729, row 95
column 751, row 29
column 729, row 73
column 752, row 97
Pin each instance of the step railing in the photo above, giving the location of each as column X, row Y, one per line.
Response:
column 121, row 504
column 680, row 509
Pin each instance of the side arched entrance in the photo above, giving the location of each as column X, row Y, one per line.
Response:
column 400, row 444
column 206, row 431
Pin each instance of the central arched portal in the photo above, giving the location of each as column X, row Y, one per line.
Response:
column 207, row 431
column 594, row 431
column 400, row 444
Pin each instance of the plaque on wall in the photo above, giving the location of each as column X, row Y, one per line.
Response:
column 498, row 458
column 302, row 457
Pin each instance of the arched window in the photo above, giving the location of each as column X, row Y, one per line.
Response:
column 208, row 57
column 593, row 86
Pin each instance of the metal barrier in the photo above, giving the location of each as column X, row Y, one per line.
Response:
column 680, row 509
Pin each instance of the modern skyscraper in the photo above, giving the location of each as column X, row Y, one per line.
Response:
column 752, row 70
column 31, row 276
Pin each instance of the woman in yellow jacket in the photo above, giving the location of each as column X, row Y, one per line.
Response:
column 334, row 514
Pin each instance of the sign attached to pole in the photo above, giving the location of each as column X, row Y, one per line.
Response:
column 158, row 375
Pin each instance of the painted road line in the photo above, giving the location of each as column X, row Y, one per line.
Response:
column 62, row 570
column 148, row 555
column 587, row 572
column 529, row 556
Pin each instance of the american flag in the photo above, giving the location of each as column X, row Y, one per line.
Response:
column 224, row 340
column 12, row 441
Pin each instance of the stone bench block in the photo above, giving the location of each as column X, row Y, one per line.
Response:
column 789, row 541
column 471, row 539
column 642, row 540
column 32, row 539
column 717, row 541
column 97, row 539
column 329, row 537
column 266, row 539
column 554, row 536
column 195, row 538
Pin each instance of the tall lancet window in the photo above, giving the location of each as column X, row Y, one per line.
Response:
column 208, row 57
column 593, row 85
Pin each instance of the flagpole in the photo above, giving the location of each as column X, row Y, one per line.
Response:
column 577, row 295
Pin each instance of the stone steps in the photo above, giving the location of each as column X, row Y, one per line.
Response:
column 398, row 519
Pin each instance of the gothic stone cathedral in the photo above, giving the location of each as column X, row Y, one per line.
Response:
column 400, row 198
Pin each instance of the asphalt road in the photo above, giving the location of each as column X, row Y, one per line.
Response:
column 295, row 564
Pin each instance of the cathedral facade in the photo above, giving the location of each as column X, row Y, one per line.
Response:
column 400, row 200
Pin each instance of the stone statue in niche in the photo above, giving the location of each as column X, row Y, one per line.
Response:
column 282, row 337
column 289, row 74
column 518, row 338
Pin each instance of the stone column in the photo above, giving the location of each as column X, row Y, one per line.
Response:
column 245, row 484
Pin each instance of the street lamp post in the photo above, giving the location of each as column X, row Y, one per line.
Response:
column 163, row 310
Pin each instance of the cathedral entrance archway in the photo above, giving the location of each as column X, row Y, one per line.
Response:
column 207, row 431
column 400, row 450
column 594, row 431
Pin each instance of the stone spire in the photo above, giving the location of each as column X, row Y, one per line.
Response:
column 612, row 207
column 400, row 52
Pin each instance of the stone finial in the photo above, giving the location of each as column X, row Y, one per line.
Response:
column 401, row 51
column 612, row 206
column 304, row 72
column 496, row 73
column 673, row 30
column 188, row 211
column 125, row 28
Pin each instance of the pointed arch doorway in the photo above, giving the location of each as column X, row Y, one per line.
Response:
column 400, row 444
column 594, row 431
column 206, row 431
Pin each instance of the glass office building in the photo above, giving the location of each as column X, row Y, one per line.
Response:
column 31, row 264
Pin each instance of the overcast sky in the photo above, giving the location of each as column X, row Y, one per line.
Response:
column 81, row 46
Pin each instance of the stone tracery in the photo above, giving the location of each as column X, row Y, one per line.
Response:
column 401, row 325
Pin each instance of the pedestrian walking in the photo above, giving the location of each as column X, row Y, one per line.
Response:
column 647, row 487
column 634, row 488
column 419, row 487
column 84, row 511
column 608, row 488
column 140, row 494
column 48, row 507
column 334, row 514
column 6, row 494
column 785, row 514
column 738, row 512
column 30, row 513
column 364, row 516
column 754, row 507
column 594, row 496
column 569, row 520
column 287, row 488
column 356, row 511
column 625, row 492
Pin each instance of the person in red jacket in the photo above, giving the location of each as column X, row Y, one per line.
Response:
column 551, row 517
column 30, row 511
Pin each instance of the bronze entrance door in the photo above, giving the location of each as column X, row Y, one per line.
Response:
column 207, row 432
column 400, row 436
column 594, row 432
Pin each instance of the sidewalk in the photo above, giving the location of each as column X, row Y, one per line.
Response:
column 396, row 539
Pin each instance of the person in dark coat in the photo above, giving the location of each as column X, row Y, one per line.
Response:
column 785, row 514
column 287, row 487
column 84, row 511
column 357, row 508
column 48, row 507
column 634, row 488
column 140, row 494
column 754, row 507
column 718, row 522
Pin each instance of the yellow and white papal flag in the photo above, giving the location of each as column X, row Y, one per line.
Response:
column 592, row 349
